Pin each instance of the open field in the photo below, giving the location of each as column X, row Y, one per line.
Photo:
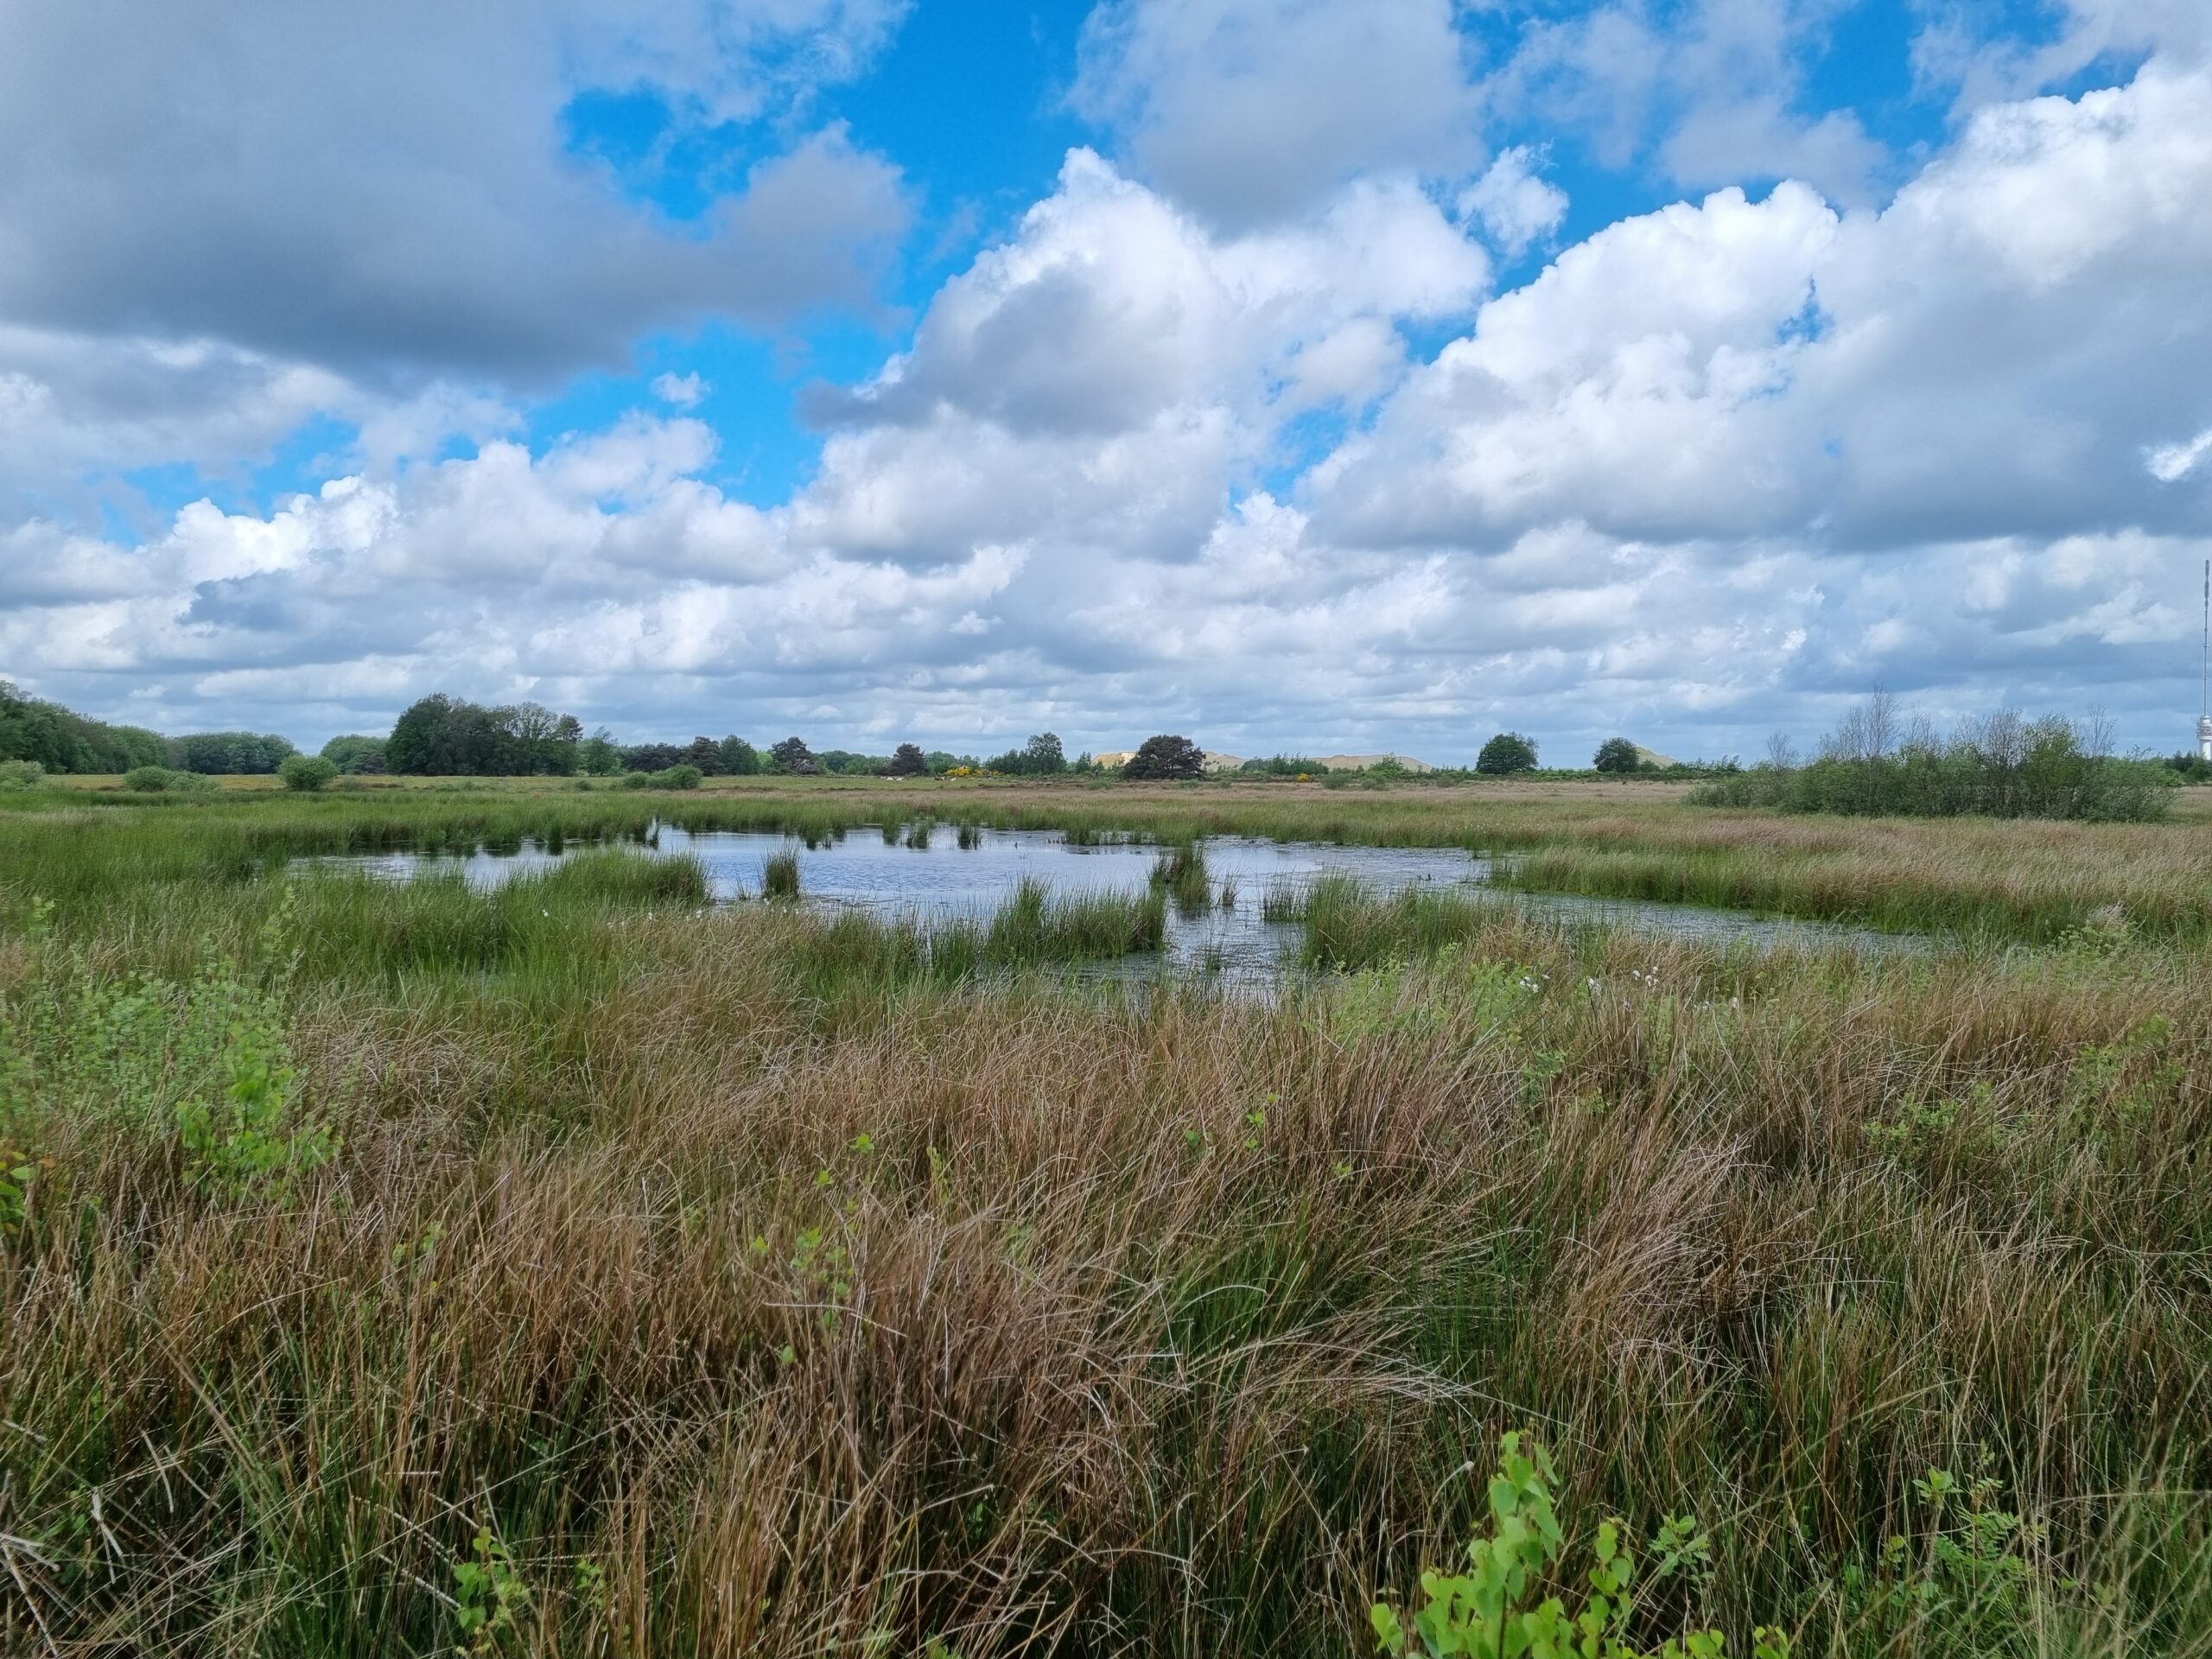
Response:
column 577, row 1269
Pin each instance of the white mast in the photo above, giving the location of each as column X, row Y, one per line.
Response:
column 2204, row 677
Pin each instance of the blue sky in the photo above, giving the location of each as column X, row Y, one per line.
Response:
column 1302, row 375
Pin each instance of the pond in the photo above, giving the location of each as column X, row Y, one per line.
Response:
column 952, row 872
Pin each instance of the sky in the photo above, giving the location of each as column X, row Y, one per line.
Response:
column 1299, row 376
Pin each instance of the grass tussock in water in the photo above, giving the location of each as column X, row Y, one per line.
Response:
column 1349, row 924
column 644, row 1277
column 1180, row 873
column 779, row 875
column 1035, row 926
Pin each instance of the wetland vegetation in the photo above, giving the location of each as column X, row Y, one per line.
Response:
column 576, row 1265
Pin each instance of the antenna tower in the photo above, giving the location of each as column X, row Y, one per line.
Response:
column 2204, row 677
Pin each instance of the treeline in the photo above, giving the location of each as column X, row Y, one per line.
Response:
column 1042, row 756
column 58, row 740
column 448, row 737
column 54, row 739
column 1884, row 761
column 230, row 753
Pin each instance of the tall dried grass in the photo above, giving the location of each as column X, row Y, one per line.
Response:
column 761, row 1292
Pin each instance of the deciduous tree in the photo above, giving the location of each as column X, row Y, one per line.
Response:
column 1166, row 756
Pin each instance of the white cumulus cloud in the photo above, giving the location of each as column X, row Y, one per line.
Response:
column 1279, row 478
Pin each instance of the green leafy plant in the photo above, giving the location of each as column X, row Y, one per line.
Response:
column 588, row 1584
column 2117, row 1086
column 1492, row 1609
column 235, row 1133
column 822, row 1266
column 1959, row 1581
column 305, row 774
column 1920, row 1129
column 203, row 1063
column 19, row 1174
column 164, row 780
column 488, row 1592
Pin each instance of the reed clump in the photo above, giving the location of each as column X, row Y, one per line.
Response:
column 1180, row 871
column 1349, row 925
column 779, row 875
column 1035, row 926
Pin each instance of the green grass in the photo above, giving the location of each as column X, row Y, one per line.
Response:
column 752, row 1279
column 2032, row 880
column 1179, row 872
column 779, row 875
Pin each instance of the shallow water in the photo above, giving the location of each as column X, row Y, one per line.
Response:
column 971, row 874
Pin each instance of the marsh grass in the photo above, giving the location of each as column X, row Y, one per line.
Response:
column 754, row 1282
column 1349, row 925
column 2029, row 880
column 779, row 875
column 1036, row 926
column 1179, row 870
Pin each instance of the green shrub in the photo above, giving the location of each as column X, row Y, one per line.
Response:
column 634, row 780
column 306, row 773
column 488, row 1592
column 201, row 1066
column 1960, row 1584
column 2002, row 766
column 21, row 774
column 165, row 781
column 1488, row 1610
column 679, row 776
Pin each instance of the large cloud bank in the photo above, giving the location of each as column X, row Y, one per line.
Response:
column 1184, row 450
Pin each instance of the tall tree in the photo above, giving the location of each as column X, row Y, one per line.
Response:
column 444, row 736
column 597, row 754
column 1617, row 754
column 353, row 753
column 419, row 745
column 1166, row 756
column 1509, row 752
